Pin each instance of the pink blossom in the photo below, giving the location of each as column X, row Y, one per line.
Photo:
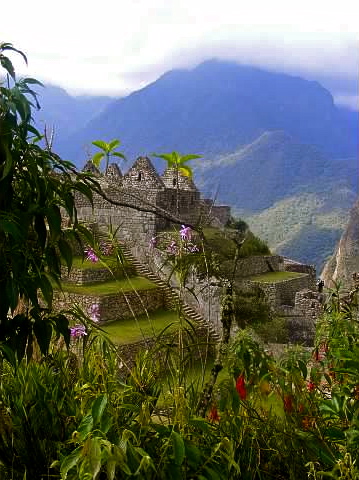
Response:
column 91, row 255
column 153, row 242
column 186, row 233
column 94, row 312
column 78, row 331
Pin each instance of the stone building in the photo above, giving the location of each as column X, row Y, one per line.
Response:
column 143, row 187
column 153, row 194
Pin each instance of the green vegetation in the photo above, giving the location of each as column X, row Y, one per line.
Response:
column 221, row 242
column 83, row 264
column 274, row 277
column 71, row 408
column 135, row 329
column 110, row 287
column 306, row 226
column 107, row 151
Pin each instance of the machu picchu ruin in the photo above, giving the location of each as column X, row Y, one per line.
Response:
column 141, row 205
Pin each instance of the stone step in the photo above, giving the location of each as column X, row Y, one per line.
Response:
column 172, row 298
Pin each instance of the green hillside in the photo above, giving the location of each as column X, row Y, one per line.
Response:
column 306, row 226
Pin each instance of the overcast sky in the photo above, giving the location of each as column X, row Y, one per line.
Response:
column 117, row 46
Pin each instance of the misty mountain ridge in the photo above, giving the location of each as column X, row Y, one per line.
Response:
column 270, row 142
column 275, row 166
column 217, row 108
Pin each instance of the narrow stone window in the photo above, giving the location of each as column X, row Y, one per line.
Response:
column 139, row 176
column 174, row 182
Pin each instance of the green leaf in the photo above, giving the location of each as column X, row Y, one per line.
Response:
column 94, row 455
column 46, row 289
column 43, row 332
column 113, row 144
column 186, row 171
column 69, row 462
column 9, row 163
column 12, row 292
column 41, row 231
column 101, row 144
column 10, row 226
column 62, row 327
column 85, row 190
column 211, row 474
column 66, row 252
column 118, row 154
column 186, row 158
column 111, row 468
column 96, row 159
column 33, row 81
column 98, row 408
column 193, row 454
column 7, row 64
column 85, row 426
column 53, row 216
column 178, row 447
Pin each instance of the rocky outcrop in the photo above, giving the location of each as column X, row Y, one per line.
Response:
column 345, row 260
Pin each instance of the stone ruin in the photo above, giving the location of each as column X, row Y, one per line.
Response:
column 296, row 299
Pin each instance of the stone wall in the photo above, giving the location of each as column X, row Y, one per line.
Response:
column 283, row 292
column 293, row 266
column 96, row 275
column 301, row 318
column 80, row 277
column 113, row 307
column 256, row 265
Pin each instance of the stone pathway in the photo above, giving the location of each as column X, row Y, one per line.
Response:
column 172, row 299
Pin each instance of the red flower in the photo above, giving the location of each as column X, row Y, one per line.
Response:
column 311, row 386
column 241, row 387
column 288, row 403
column 213, row 414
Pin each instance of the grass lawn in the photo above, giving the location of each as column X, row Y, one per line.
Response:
column 110, row 287
column 274, row 277
column 133, row 330
column 84, row 264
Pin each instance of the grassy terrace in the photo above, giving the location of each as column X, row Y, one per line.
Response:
column 274, row 277
column 110, row 287
column 135, row 329
column 84, row 264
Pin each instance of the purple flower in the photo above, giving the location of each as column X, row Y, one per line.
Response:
column 94, row 312
column 186, row 233
column 91, row 255
column 172, row 248
column 153, row 242
column 78, row 331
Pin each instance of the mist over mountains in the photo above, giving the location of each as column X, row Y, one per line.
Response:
column 271, row 142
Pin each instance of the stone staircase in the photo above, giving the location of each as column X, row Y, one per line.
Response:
column 172, row 299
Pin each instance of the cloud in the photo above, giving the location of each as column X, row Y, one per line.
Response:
column 117, row 47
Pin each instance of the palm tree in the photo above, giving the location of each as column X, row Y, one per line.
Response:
column 107, row 152
column 178, row 163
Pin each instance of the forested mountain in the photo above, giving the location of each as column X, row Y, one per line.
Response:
column 216, row 108
column 275, row 147
column 66, row 113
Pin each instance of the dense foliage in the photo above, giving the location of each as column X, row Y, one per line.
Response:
column 37, row 192
column 84, row 413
